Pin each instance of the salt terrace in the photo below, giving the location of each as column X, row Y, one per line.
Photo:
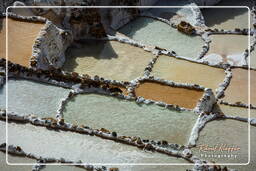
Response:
column 126, row 86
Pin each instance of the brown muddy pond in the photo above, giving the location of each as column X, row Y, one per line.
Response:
column 183, row 97
column 21, row 37
column 108, row 59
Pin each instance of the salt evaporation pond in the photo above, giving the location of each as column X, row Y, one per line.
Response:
column 183, row 71
column 108, row 59
column 125, row 168
column 226, row 132
column 238, row 89
column 77, row 147
column 253, row 59
column 28, row 97
column 14, row 159
column 183, row 97
column 130, row 119
column 226, row 18
column 235, row 111
column 21, row 38
column 227, row 49
column 157, row 33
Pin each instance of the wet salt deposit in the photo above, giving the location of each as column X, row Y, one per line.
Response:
column 27, row 97
column 227, row 49
column 183, row 71
column 75, row 147
column 130, row 119
column 157, row 33
column 97, row 57
column 171, row 95
column 21, row 37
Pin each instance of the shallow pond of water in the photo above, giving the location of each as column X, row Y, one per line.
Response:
column 235, row 111
column 227, row 133
column 14, row 159
column 130, row 119
column 108, row 59
column 28, row 97
column 157, row 33
column 73, row 146
column 21, row 37
column 226, row 18
column 229, row 48
column 183, row 97
column 253, row 59
column 238, row 90
column 183, row 71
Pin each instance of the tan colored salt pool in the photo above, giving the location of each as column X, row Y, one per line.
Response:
column 108, row 59
column 237, row 91
column 183, row 71
column 228, row 47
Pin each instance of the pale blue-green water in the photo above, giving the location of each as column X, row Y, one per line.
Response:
column 73, row 146
column 157, row 33
column 28, row 97
column 130, row 119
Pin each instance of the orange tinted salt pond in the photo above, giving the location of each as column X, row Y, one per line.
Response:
column 130, row 119
column 183, row 71
column 183, row 97
column 237, row 91
column 228, row 47
column 43, row 142
column 21, row 37
column 108, row 59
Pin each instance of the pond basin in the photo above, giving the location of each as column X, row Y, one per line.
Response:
column 108, row 59
column 226, row 18
column 21, row 38
column 235, row 111
column 253, row 59
column 75, row 147
column 229, row 133
column 28, row 97
column 14, row 159
column 237, row 91
column 183, row 71
column 130, row 119
column 183, row 97
column 227, row 49
column 156, row 33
